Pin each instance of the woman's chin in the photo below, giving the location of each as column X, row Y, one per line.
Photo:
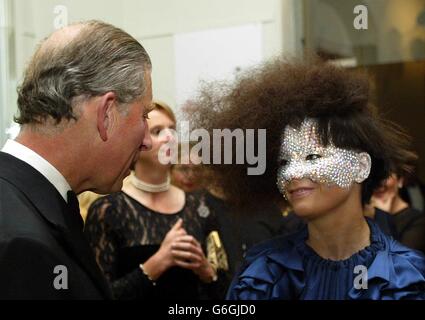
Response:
column 304, row 211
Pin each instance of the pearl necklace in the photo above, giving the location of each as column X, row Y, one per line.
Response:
column 149, row 187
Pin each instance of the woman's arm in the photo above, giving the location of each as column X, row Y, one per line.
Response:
column 101, row 222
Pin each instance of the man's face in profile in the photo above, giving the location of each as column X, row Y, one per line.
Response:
column 131, row 136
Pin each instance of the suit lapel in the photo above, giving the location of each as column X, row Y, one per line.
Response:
column 53, row 208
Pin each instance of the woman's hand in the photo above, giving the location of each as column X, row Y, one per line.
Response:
column 182, row 250
column 188, row 254
column 163, row 259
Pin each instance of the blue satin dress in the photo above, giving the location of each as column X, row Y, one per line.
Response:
column 287, row 268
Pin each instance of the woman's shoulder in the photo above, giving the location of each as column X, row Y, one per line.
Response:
column 198, row 206
column 408, row 218
column 275, row 245
column 407, row 260
column 269, row 265
column 106, row 206
column 195, row 197
column 397, row 272
column 109, row 199
column 395, row 252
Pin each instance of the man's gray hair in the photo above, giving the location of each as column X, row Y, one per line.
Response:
column 99, row 59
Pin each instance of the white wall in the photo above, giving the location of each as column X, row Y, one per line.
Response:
column 7, row 90
column 214, row 54
column 152, row 18
column 154, row 23
column 161, row 52
column 34, row 20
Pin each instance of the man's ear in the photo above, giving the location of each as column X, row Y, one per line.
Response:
column 104, row 114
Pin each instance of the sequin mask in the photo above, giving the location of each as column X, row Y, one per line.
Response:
column 303, row 157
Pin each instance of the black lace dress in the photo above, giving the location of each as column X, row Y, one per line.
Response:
column 124, row 233
column 406, row 226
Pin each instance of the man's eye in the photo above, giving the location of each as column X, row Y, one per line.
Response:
column 311, row 157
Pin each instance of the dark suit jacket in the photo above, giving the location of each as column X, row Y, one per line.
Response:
column 39, row 232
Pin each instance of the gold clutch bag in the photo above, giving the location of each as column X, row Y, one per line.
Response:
column 216, row 254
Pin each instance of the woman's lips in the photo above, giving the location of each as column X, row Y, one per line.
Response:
column 300, row 193
column 188, row 184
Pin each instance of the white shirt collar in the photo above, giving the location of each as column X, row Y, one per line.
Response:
column 40, row 164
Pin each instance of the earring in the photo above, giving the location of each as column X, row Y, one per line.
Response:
column 286, row 211
column 284, row 194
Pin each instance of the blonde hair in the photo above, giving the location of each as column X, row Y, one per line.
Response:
column 163, row 107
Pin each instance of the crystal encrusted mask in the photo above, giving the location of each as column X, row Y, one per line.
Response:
column 302, row 156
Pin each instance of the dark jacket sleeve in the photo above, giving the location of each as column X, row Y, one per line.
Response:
column 27, row 271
